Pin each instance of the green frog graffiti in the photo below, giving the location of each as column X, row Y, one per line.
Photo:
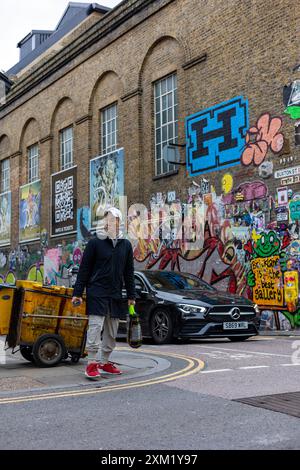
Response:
column 268, row 260
column 265, row 246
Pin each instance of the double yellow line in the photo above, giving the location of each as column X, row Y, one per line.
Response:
column 193, row 366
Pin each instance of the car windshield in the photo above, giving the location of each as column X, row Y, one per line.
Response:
column 174, row 281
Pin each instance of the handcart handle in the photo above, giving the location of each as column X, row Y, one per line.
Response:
column 27, row 315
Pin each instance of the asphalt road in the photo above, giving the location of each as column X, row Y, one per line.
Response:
column 192, row 412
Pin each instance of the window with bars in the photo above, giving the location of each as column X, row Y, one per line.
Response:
column 109, row 129
column 166, row 120
column 33, row 163
column 66, row 148
column 5, row 175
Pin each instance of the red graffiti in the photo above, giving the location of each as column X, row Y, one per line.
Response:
column 265, row 135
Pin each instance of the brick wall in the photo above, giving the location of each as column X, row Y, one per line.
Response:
column 251, row 50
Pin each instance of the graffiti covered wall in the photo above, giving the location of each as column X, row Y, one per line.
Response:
column 249, row 240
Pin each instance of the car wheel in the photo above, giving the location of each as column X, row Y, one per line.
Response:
column 48, row 350
column 161, row 327
column 26, row 352
column 238, row 338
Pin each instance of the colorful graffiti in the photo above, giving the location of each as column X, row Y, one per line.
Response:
column 216, row 136
column 263, row 136
column 22, row 263
column 243, row 250
column 265, row 275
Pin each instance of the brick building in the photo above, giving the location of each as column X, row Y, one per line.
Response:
column 150, row 72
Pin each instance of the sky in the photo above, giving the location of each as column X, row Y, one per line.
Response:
column 19, row 17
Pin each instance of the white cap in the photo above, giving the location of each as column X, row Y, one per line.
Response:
column 115, row 212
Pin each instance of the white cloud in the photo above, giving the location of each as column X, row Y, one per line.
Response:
column 19, row 17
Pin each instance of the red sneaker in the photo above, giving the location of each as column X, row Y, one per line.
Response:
column 109, row 368
column 92, row 372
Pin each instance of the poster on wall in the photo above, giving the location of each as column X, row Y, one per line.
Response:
column 30, row 212
column 5, row 218
column 106, row 183
column 64, row 202
column 83, row 223
column 268, row 288
column 52, row 259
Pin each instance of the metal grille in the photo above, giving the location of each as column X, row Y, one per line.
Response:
column 287, row 403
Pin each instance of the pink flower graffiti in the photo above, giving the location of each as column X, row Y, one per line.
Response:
column 266, row 136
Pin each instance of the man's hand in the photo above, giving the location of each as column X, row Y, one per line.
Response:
column 77, row 300
column 131, row 302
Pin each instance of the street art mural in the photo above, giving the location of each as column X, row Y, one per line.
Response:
column 21, row 263
column 242, row 235
column 216, row 136
column 59, row 260
column 106, row 183
column 263, row 136
column 247, row 248
column 5, row 218
column 30, row 212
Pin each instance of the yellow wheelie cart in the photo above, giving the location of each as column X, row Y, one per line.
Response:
column 42, row 322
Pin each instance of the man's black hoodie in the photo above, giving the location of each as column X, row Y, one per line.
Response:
column 102, row 272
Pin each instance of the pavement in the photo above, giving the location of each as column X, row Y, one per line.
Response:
column 17, row 374
column 167, row 399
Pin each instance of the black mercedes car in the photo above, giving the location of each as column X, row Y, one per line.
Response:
column 174, row 305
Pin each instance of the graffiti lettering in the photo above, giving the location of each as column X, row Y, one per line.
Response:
column 216, row 136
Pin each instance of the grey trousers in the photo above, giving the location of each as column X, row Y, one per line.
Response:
column 101, row 350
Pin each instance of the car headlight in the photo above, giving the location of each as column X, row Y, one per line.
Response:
column 188, row 310
column 256, row 308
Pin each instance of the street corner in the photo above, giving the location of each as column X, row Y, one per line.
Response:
column 140, row 368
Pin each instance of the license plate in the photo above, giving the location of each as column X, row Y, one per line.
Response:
column 235, row 325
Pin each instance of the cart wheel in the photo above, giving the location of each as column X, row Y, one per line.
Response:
column 75, row 358
column 26, row 352
column 48, row 350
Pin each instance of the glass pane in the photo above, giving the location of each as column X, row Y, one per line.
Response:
column 170, row 83
column 157, row 120
column 170, row 100
column 170, row 131
column 158, row 151
column 170, row 115
column 164, row 102
column 158, row 134
column 176, row 113
column 175, row 96
column 157, row 89
column 163, row 86
column 164, row 134
column 158, row 167
column 164, row 117
column 157, row 105
column 165, row 167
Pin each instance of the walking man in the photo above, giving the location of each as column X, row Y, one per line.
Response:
column 107, row 262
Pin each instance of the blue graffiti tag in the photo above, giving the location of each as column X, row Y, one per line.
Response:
column 216, row 136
